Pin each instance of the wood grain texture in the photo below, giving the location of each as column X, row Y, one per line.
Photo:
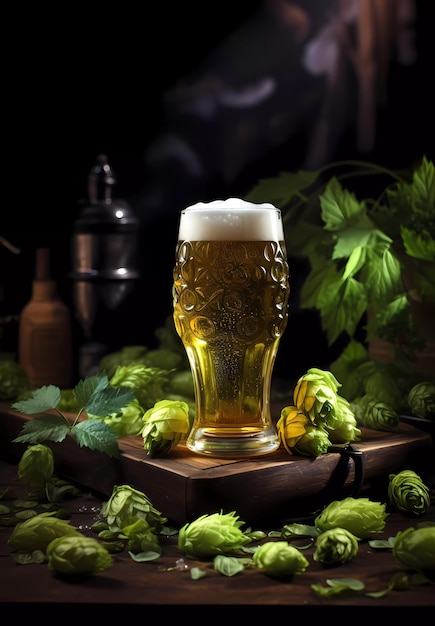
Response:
column 274, row 487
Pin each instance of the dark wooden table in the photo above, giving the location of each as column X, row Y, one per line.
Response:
column 129, row 585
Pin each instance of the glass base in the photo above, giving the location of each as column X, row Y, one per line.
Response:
column 224, row 443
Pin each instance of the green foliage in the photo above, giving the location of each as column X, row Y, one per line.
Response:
column 361, row 251
column 13, row 380
column 93, row 395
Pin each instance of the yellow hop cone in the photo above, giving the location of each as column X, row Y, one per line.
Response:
column 291, row 426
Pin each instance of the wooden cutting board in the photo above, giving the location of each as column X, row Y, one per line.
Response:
column 262, row 490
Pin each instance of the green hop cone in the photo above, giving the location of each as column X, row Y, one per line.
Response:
column 414, row 549
column 280, row 559
column 141, row 537
column 209, row 535
column 408, row 493
column 421, row 400
column 14, row 380
column 315, row 394
column 361, row 516
column 127, row 503
column 38, row 531
column 335, row 546
column 77, row 555
column 147, row 382
column 36, row 467
column 343, row 428
column 164, row 426
column 374, row 414
column 314, row 442
column 291, row 426
column 128, row 421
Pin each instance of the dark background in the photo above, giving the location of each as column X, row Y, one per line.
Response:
column 88, row 79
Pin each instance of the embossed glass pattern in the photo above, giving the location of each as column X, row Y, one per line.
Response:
column 230, row 310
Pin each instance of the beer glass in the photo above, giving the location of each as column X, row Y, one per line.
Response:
column 230, row 296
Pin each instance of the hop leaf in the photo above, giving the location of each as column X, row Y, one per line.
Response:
column 96, row 435
column 42, row 399
column 43, row 428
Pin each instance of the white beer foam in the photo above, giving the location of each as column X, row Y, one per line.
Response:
column 233, row 219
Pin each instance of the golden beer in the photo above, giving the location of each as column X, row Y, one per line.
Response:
column 231, row 289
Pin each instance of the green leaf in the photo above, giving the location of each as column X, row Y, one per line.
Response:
column 351, row 583
column 322, row 278
column 282, row 189
column 227, row 565
column 43, row 428
column 42, row 399
column 340, row 207
column 96, row 435
column 110, row 400
column 380, row 544
column 355, row 262
column 339, row 587
column 143, row 557
column 383, row 275
column 417, row 245
column 342, row 309
column 24, row 558
column 196, row 573
column 91, row 385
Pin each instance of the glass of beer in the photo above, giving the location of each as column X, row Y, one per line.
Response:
column 230, row 292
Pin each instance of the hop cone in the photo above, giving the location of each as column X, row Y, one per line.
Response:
column 77, row 555
column 147, row 382
column 408, row 493
column 141, row 537
column 315, row 394
column 314, row 442
column 209, row 535
column 38, row 531
column 421, row 400
column 414, row 549
column 164, row 426
column 361, row 516
column 279, row 558
column 334, row 546
column 128, row 421
column 291, row 426
column 127, row 503
column 344, row 428
column 374, row 414
column 14, row 380
column 36, row 467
